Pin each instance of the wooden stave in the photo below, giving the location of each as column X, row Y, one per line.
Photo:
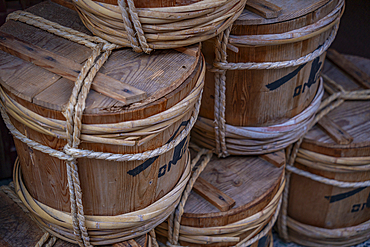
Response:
column 240, row 96
column 165, row 102
column 154, row 4
column 237, row 213
column 351, row 213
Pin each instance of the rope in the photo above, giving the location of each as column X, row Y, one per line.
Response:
column 145, row 29
column 220, row 66
column 326, row 163
column 72, row 127
column 259, row 140
column 222, row 234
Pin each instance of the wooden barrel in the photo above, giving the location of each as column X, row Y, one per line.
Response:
column 131, row 90
column 337, row 148
column 260, row 91
column 234, row 200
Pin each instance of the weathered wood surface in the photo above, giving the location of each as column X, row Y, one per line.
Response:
column 213, row 195
column 167, row 76
column 17, row 228
column 352, row 116
column 155, row 3
column 327, row 206
column 251, row 181
column 264, row 8
column 291, row 9
column 268, row 97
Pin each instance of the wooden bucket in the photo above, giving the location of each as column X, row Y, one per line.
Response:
column 333, row 209
column 160, row 24
column 234, row 200
column 267, row 75
column 141, row 106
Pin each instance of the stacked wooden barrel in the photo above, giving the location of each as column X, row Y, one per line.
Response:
column 329, row 190
column 264, row 88
column 109, row 164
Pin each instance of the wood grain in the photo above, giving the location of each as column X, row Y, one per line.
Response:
column 249, row 102
column 213, row 195
column 319, row 204
column 351, row 69
column 251, row 181
column 69, row 69
column 291, row 9
column 264, row 8
column 167, row 77
column 338, row 134
column 352, row 116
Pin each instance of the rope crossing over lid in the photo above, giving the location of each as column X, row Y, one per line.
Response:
column 221, row 65
column 73, row 127
column 256, row 223
column 329, row 104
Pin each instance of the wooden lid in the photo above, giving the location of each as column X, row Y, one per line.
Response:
column 251, row 181
column 284, row 10
column 159, row 80
column 350, row 121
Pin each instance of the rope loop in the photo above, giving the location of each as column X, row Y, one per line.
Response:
column 299, row 155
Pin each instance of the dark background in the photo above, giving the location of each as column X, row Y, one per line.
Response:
column 353, row 38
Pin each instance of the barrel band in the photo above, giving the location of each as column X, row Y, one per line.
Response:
column 71, row 129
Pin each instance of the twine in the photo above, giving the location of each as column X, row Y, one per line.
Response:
column 222, row 234
column 46, row 216
column 325, row 163
column 259, row 140
column 221, row 65
column 146, row 29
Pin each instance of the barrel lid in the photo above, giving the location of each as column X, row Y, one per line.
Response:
column 251, row 181
column 289, row 9
column 350, row 121
column 152, row 77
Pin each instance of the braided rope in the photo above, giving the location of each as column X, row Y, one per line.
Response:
column 258, row 140
column 73, row 114
column 227, row 232
column 329, row 104
column 220, row 66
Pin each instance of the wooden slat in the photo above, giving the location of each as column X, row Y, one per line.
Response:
column 275, row 158
column 264, row 8
column 69, row 69
column 213, row 195
column 338, row 134
column 344, row 64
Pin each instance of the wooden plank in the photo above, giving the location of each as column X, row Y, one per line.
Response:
column 264, row 8
column 344, row 64
column 275, row 158
column 69, row 69
column 213, row 195
column 338, row 134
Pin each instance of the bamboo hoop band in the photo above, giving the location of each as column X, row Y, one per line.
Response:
column 76, row 227
column 145, row 29
column 260, row 223
column 258, row 140
column 296, row 35
column 326, row 163
column 220, row 66
column 119, row 227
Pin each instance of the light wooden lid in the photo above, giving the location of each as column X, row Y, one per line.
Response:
column 290, row 9
column 352, row 118
column 158, row 75
column 251, row 181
